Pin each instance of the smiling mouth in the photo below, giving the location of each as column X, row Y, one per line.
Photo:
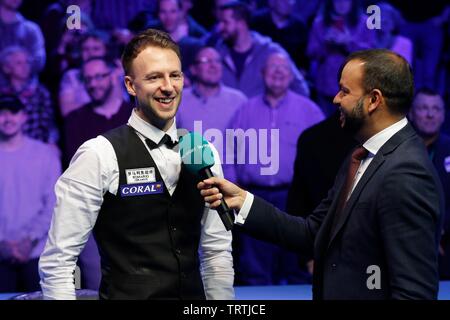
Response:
column 165, row 100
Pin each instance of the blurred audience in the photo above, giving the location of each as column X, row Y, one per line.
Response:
column 338, row 29
column 279, row 22
column 187, row 33
column 72, row 92
column 104, row 111
column 208, row 100
column 288, row 114
column 427, row 116
column 16, row 65
column 244, row 51
column 389, row 37
column 424, row 25
column 18, row 31
column 30, row 170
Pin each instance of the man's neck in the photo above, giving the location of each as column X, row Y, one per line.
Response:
column 274, row 100
column 18, row 84
column 11, row 143
column 429, row 140
column 376, row 126
column 205, row 90
column 8, row 16
column 109, row 108
column 243, row 42
column 279, row 20
column 160, row 124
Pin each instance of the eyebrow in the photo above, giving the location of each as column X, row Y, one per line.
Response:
column 342, row 87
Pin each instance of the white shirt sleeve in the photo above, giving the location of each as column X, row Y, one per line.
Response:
column 245, row 210
column 216, row 262
column 79, row 196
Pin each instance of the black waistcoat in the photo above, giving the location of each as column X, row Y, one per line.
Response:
column 148, row 243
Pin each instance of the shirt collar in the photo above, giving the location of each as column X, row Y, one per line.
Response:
column 377, row 141
column 150, row 131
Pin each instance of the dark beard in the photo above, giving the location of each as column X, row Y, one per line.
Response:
column 355, row 119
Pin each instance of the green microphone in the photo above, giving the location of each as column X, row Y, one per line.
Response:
column 198, row 158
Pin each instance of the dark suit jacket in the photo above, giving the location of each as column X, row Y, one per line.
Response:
column 441, row 160
column 392, row 220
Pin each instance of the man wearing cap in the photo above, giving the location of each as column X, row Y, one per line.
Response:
column 30, row 169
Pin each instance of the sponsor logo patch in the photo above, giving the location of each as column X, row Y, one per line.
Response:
column 131, row 190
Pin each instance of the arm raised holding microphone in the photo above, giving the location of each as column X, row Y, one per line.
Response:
column 376, row 234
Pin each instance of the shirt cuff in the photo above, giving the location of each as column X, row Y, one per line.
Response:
column 243, row 213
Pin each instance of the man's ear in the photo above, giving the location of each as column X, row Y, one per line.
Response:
column 129, row 85
column 376, row 99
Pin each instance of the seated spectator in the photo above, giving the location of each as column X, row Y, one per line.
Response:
column 208, row 101
column 15, row 62
column 62, row 47
column 72, row 93
column 424, row 24
column 15, row 30
column 338, row 30
column 388, row 37
column 427, row 116
column 243, row 51
column 280, row 109
column 104, row 111
column 171, row 20
column 31, row 169
column 187, row 21
column 279, row 23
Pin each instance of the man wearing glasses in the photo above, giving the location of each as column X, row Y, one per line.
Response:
column 104, row 112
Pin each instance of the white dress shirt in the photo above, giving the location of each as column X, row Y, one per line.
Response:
column 94, row 171
column 373, row 144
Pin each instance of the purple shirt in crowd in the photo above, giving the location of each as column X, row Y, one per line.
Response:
column 214, row 112
column 293, row 114
column 27, row 197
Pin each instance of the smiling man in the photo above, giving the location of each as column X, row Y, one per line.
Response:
column 376, row 235
column 156, row 238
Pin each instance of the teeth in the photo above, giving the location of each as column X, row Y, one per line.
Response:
column 166, row 100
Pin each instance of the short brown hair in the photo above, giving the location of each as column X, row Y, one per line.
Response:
column 145, row 39
column 388, row 72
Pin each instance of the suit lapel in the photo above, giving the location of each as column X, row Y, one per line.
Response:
column 368, row 174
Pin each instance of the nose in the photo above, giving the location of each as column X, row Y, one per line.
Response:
column 167, row 85
column 337, row 98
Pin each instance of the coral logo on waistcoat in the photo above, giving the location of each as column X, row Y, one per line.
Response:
column 130, row 190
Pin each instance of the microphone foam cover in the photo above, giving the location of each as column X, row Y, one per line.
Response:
column 195, row 152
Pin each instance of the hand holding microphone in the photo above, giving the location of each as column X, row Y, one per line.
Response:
column 198, row 158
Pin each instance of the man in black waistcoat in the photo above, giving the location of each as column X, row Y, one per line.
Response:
column 156, row 238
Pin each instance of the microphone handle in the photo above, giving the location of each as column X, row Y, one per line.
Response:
column 225, row 213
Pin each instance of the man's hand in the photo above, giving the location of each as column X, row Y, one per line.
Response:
column 234, row 196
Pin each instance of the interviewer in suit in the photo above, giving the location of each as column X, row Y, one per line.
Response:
column 383, row 243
